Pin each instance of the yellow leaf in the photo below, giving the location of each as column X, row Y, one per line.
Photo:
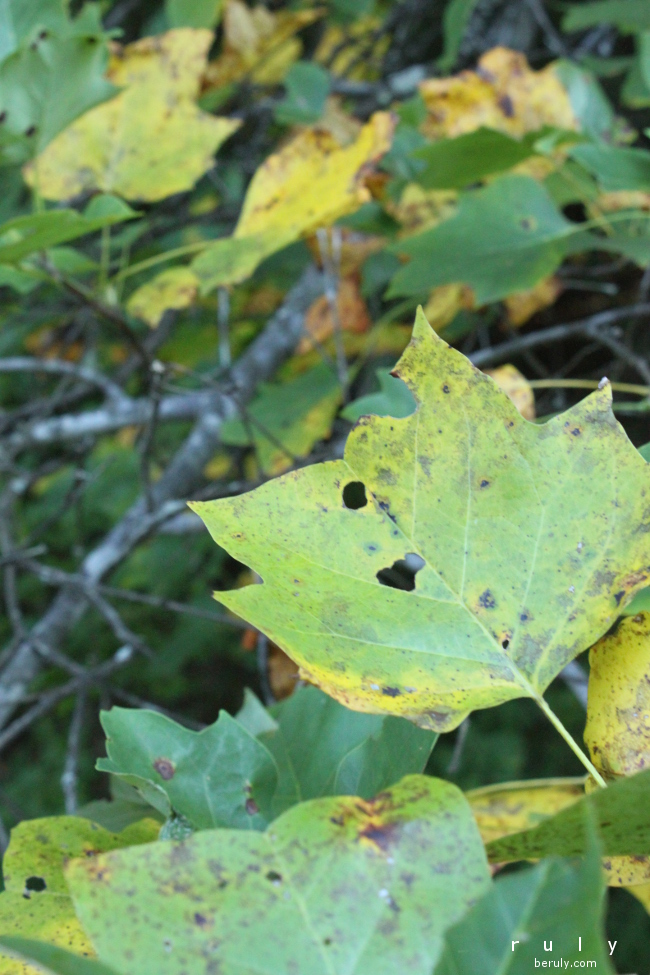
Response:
column 642, row 894
column 148, row 142
column 175, row 288
column 510, row 380
column 514, row 806
column 618, row 712
column 310, row 183
column 524, row 304
column 445, row 302
column 419, row 209
column 503, row 94
column 40, row 907
column 258, row 43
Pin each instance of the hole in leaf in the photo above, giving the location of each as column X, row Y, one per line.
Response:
column 35, row 883
column 354, row 495
column 402, row 573
column 505, row 644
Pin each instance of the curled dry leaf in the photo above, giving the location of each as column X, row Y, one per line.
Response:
column 351, row 315
column 503, row 93
column 516, row 387
column 382, row 574
column 148, row 142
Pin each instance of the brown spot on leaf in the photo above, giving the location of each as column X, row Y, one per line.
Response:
column 165, row 768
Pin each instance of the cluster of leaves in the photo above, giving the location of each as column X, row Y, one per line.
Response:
column 454, row 557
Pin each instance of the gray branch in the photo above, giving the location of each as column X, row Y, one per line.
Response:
column 183, row 476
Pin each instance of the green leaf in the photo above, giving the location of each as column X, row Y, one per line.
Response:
column 221, row 776
column 253, row 716
column 21, row 20
column 504, row 238
column 628, row 15
column 285, row 420
column 556, row 902
column 23, row 236
column 336, row 885
column 324, row 749
column 307, row 87
column 454, row 23
column 46, row 85
column 588, row 100
column 621, row 813
column 455, row 163
column 501, row 603
column 52, row 959
column 35, row 902
column 193, row 13
column 393, row 399
column 615, row 168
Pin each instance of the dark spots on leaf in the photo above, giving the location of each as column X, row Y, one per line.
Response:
column 3, row 117
column 402, row 573
column 576, row 431
column 386, row 475
column 485, row 483
column 391, row 691
column 505, row 643
column 327, row 941
column 381, row 834
column 201, row 921
column 165, row 768
column 354, row 495
column 618, row 596
column 274, row 877
column 43, row 35
column 337, row 820
column 524, row 617
column 511, row 424
column 445, row 388
column 506, row 106
column 486, row 599
column 251, row 807
column 527, row 223
column 33, row 885
column 30, row 131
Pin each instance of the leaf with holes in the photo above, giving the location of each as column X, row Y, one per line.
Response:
column 454, row 559
column 221, row 776
column 35, row 902
column 335, row 885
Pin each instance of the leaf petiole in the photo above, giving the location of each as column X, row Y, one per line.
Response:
column 571, row 742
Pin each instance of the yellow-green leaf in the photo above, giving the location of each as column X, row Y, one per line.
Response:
column 174, row 288
column 308, row 184
column 35, row 902
column 513, row 806
column 518, row 542
column 151, row 140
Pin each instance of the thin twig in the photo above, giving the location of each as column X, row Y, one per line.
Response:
column 70, row 768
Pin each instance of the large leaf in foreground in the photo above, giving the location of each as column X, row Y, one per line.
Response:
column 35, row 902
column 556, row 903
column 530, row 539
column 49, row 958
column 335, row 885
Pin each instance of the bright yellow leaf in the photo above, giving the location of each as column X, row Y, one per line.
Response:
column 308, row 184
column 524, row 304
column 258, row 43
column 514, row 806
column 176, row 287
column 503, row 94
column 148, row 142
column 510, row 380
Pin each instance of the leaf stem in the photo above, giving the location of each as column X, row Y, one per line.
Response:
column 571, row 742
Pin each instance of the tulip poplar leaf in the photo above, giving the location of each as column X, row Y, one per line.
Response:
column 335, row 886
column 454, row 559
